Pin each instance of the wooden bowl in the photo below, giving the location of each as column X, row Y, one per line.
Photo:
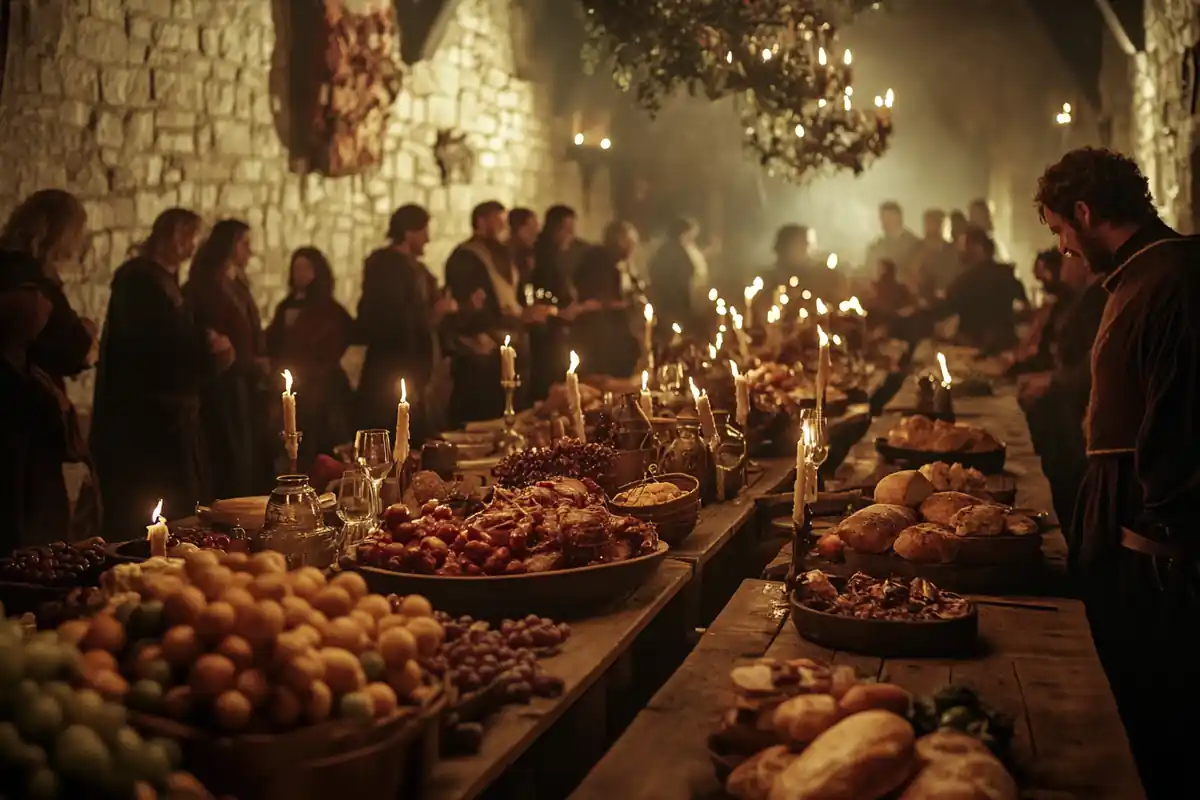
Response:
column 989, row 462
column 390, row 758
column 674, row 519
column 884, row 637
column 561, row 594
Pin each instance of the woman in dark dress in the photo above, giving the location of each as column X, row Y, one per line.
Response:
column 154, row 360
column 51, row 227
column 227, row 408
column 309, row 335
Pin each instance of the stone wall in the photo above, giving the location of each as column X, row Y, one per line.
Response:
column 138, row 105
column 1163, row 128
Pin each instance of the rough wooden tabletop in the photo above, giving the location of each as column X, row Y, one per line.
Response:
column 1038, row 665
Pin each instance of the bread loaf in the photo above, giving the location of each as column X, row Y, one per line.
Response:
column 984, row 519
column 956, row 766
column 905, row 488
column 874, row 528
column 941, row 507
column 805, row 717
column 754, row 777
column 926, row 543
column 863, row 757
column 870, row 696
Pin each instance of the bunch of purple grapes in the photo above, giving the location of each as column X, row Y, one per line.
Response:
column 566, row 458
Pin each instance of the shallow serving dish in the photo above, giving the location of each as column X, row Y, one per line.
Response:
column 988, row 462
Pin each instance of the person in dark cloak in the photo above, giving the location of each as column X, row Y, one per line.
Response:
column 51, row 226
column 483, row 281
column 155, row 359
column 35, row 436
column 603, row 336
column 309, row 335
column 983, row 298
column 794, row 260
column 1035, row 351
column 672, row 270
column 937, row 262
column 523, row 232
column 1135, row 533
column 228, row 406
column 400, row 315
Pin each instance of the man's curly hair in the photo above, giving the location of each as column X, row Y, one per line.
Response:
column 1110, row 184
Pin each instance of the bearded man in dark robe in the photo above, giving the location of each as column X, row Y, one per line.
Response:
column 1135, row 532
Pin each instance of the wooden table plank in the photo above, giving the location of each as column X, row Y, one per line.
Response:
column 594, row 646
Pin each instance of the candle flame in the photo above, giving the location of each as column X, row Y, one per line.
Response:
column 287, row 381
column 856, row 306
column 507, row 339
column 821, row 307
column 675, row 327
column 822, row 337
column 712, row 352
column 783, row 299
column 574, row 363
column 645, row 381
column 156, row 514
column 758, row 284
column 946, row 379
column 720, row 340
column 803, row 312
column 806, row 295
column 648, row 312
column 832, row 261
column 822, row 59
column 889, row 98
column 837, row 340
column 734, row 369
column 737, row 318
column 794, row 282
column 847, row 59
column 695, row 390
column 773, row 315
column 712, row 295
column 404, row 386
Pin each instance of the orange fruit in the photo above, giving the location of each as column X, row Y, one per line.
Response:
column 397, row 646
column 332, row 601
column 212, row 674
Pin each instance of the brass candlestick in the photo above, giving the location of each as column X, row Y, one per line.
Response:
column 510, row 440
column 291, row 446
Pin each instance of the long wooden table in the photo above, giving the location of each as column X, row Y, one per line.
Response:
column 1038, row 665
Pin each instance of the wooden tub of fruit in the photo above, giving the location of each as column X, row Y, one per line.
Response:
column 273, row 683
column 671, row 502
column 32, row 577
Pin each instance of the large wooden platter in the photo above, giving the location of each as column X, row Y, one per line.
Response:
column 885, row 637
column 988, row 462
column 562, row 594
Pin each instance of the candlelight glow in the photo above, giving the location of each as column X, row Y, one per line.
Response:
column 712, row 295
column 695, row 391
column 822, row 58
column 578, row 138
column 758, row 284
column 793, row 282
column 856, row 306
column 783, row 299
column 507, row 340
column 721, row 328
column 773, row 315
column 822, row 337
column 645, row 381
column 721, row 309
column 287, row 381
column 846, row 102
column 889, row 98
column 946, row 379
column 806, row 295
column 720, row 340
column 648, row 313
column 404, row 387
column 832, row 261
column 156, row 514
column 847, row 58
column 733, row 368
column 821, row 307
column 676, row 327
column 737, row 318
column 803, row 312
column 808, row 432
column 837, row 340
column 574, row 363
column 844, row 307
column 712, row 352
column 605, row 144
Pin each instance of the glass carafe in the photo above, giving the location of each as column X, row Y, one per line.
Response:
column 295, row 525
column 729, row 461
column 687, row 454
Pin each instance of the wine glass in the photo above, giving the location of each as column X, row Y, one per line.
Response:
column 356, row 502
column 812, row 428
column 373, row 452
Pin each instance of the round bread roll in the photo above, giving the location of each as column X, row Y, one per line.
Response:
column 941, row 507
column 874, row 528
column 926, row 543
column 984, row 519
column 905, row 488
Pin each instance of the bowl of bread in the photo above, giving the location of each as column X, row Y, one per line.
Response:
column 918, row 440
column 671, row 502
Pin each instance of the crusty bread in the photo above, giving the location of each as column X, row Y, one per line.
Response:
column 956, row 766
column 864, row 757
column 754, row 777
column 1019, row 525
column 940, row 507
column 874, row 528
column 905, row 488
column 926, row 543
column 805, row 717
column 984, row 519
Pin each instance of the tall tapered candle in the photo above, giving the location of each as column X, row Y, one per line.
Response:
column 574, row 402
column 289, row 405
column 156, row 532
column 644, row 399
column 822, row 368
column 508, row 361
column 799, row 492
column 708, row 423
column 774, row 330
column 677, row 338
column 741, row 391
column 740, row 333
column 403, row 434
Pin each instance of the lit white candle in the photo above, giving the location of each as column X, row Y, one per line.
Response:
column 808, row 433
column 289, row 404
column 832, row 261
column 822, row 309
column 741, row 390
column 574, row 402
column 508, row 361
column 740, row 332
column 822, row 368
column 403, row 433
column 644, row 399
column 156, row 532
column 748, row 294
column 648, row 330
column 677, row 339
column 774, row 330
column 946, row 379
column 708, row 424
column 799, row 492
